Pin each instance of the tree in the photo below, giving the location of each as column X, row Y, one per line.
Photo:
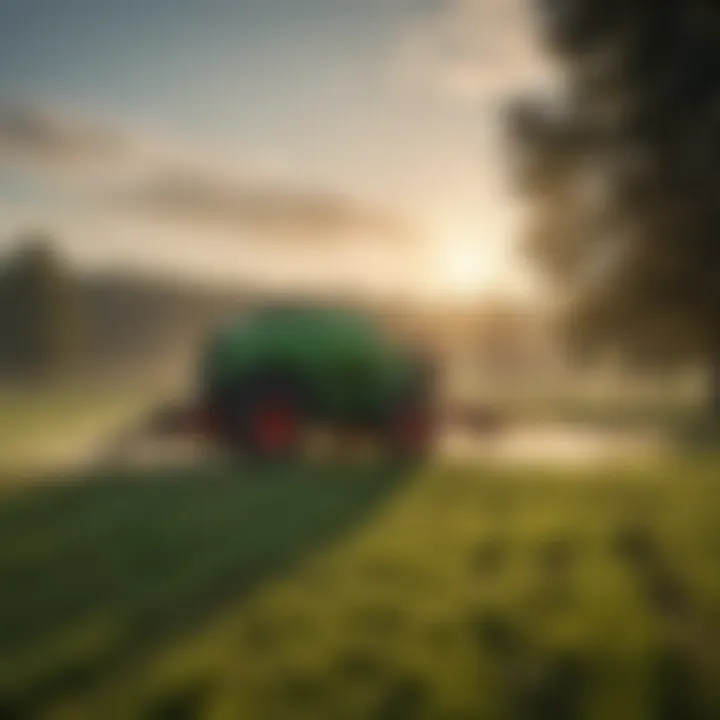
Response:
column 39, row 337
column 622, row 171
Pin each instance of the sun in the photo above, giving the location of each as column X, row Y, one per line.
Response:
column 462, row 268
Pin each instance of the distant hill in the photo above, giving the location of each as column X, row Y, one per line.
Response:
column 131, row 321
column 55, row 320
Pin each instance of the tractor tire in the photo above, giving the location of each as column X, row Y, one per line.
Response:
column 265, row 421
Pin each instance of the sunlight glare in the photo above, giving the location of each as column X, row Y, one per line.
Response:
column 462, row 267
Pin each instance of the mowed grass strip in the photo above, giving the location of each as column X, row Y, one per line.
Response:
column 93, row 573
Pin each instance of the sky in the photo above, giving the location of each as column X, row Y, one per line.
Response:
column 175, row 133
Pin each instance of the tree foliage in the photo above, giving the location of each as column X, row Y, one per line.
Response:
column 39, row 317
column 622, row 170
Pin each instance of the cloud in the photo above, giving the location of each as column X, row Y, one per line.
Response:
column 51, row 140
column 121, row 170
column 202, row 198
column 474, row 50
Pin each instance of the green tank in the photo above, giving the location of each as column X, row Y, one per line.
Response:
column 269, row 377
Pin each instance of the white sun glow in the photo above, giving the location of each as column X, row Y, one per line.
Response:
column 462, row 268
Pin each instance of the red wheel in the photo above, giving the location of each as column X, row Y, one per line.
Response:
column 274, row 427
column 266, row 418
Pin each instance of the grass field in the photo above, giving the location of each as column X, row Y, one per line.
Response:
column 360, row 593
column 43, row 427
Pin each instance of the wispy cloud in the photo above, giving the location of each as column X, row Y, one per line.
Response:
column 203, row 198
column 473, row 50
column 69, row 149
column 122, row 170
column 52, row 140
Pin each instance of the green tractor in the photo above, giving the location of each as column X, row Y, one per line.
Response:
column 269, row 378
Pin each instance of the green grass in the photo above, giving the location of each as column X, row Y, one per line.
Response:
column 328, row 593
column 94, row 574
column 612, row 413
column 63, row 421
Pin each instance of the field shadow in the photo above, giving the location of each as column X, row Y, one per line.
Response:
column 97, row 570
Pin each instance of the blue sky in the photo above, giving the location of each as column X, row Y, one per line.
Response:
column 308, row 82
column 313, row 90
